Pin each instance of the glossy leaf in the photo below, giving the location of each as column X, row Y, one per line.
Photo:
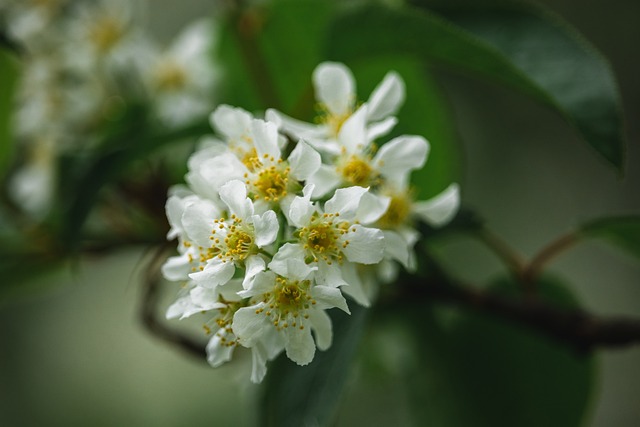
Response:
column 521, row 48
column 309, row 395
column 8, row 79
column 268, row 67
column 484, row 371
column 623, row 232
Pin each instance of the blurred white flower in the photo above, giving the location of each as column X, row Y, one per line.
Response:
column 181, row 79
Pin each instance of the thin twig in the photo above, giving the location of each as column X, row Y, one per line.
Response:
column 504, row 251
column 549, row 252
column 579, row 329
column 148, row 311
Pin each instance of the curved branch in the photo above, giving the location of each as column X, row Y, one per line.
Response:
column 579, row 329
column 149, row 316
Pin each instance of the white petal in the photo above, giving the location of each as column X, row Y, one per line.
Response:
column 329, row 275
column 177, row 268
column 289, row 262
column 355, row 288
column 376, row 130
column 304, row 161
column 258, row 364
column 300, row 346
column 215, row 273
column 345, row 201
column 330, row 297
column 325, row 180
column 401, row 155
column 217, row 352
column 301, row 208
column 266, row 228
column 387, row 97
column 440, row 209
column 181, row 306
column 248, row 325
column 206, row 299
column 353, row 133
column 174, row 209
column 366, row 245
column 234, row 194
column 213, row 173
column 298, row 128
column 265, row 138
column 253, row 265
column 321, row 325
column 262, row 283
column 335, row 87
column 197, row 221
column 371, row 208
column 230, row 121
column 395, row 247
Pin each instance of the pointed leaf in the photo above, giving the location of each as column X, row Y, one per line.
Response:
column 519, row 47
column 623, row 232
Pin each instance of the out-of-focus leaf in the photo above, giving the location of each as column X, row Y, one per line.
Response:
column 309, row 395
column 519, row 47
column 483, row 371
column 291, row 42
column 135, row 141
column 425, row 112
column 268, row 62
column 623, row 232
column 8, row 80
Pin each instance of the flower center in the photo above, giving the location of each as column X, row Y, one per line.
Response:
column 333, row 121
column 357, row 171
column 170, row 76
column 397, row 213
column 322, row 237
column 223, row 322
column 287, row 304
column 106, row 33
column 270, row 180
column 231, row 241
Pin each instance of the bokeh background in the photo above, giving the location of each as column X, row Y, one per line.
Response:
column 73, row 352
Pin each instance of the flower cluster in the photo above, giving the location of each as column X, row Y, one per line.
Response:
column 282, row 219
column 81, row 63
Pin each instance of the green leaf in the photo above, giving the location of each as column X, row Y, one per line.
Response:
column 481, row 370
column 133, row 141
column 9, row 78
column 296, row 396
column 519, row 47
column 270, row 53
column 623, row 232
column 425, row 112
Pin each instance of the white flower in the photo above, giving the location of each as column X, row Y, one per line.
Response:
column 287, row 301
column 229, row 243
column 270, row 179
column 361, row 163
column 334, row 238
column 103, row 36
column 336, row 92
column 398, row 221
column 181, row 79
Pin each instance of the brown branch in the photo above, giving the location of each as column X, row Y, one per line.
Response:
column 575, row 328
column 579, row 329
column 148, row 311
column 549, row 252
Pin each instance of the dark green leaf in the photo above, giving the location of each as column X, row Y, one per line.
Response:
column 623, row 232
column 270, row 53
column 309, row 395
column 8, row 79
column 519, row 47
column 484, row 371
column 133, row 142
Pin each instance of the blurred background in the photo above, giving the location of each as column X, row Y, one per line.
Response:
column 73, row 352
